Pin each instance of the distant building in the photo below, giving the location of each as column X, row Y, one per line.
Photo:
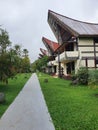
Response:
column 44, row 52
column 51, row 48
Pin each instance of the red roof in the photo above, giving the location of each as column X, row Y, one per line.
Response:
column 51, row 44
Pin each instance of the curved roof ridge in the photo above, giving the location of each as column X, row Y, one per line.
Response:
column 73, row 18
column 75, row 27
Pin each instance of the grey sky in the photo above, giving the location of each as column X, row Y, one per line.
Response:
column 26, row 20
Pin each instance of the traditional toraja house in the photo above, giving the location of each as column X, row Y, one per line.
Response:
column 51, row 47
column 44, row 52
column 41, row 56
column 78, row 42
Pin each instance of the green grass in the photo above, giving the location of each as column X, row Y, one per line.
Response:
column 12, row 89
column 71, row 107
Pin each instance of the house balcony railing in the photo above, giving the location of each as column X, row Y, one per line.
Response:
column 68, row 56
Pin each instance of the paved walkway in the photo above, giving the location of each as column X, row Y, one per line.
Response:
column 28, row 111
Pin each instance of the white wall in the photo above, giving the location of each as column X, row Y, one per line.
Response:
column 83, row 51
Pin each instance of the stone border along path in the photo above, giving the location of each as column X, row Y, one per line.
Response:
column 28, row 111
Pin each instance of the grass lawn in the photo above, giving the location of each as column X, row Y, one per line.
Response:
column 71, row 107
column 12, row 89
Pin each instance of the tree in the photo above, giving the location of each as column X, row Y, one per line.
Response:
column 25, row 61
column 5, row 59
column 25, row 52
column 25, row 65
column 40, row 63
column 11, row 61
column 17, row 48
column 4, row 41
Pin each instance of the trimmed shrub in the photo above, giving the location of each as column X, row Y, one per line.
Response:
column 73, row 76
column 46, row 80
column 2, row 97
column 93, row 77
column 83, row 75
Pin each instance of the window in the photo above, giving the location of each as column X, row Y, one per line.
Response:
column 96, row 40
column 96, row 61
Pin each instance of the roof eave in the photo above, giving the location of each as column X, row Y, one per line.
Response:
column 88, row 35
column 73, row 32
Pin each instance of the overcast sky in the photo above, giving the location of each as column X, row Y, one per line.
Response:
column 26, row 20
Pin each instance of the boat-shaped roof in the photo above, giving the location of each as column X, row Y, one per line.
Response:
column 76, row 27
column 50, row 44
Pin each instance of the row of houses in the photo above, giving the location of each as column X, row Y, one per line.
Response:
column 76, row 46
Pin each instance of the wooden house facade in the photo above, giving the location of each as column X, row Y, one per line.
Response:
column 78, row 43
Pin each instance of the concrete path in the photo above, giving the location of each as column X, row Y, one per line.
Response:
column 28, row 111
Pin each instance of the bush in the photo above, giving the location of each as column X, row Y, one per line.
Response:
column 93, row 77
column 82, row 75
column 74, row 76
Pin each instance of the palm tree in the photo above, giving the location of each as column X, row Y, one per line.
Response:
column 17, row 49
column 25, row 52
